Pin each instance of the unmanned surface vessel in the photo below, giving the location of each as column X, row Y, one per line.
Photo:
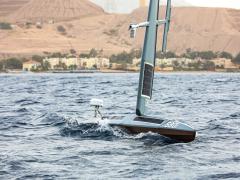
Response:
column 141, row 123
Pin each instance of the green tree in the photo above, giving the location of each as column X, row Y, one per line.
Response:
column 136, row 53
column 162, row 66
column 64, row 66
column 46, row 66
column 72, row 67
column 37, row 58
column 5, row 26
column 190, row 54
column 197, row 65
column 61, row 29
column 93, row 53
column 95, row 66
column 209, row 66
column 100, row 53
column 160, row 55
column 61, row 65
column 1, row 65
column 237, row 59
column 13, row 63
column 176, row 63
column 122, row 58
column 57, row 55
column 166, row 55
column 73, row 51
column 226, row 55
column 170, row 54
column 208, row 55
column 84, row 55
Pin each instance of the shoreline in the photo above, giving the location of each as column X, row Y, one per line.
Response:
column 110, row 72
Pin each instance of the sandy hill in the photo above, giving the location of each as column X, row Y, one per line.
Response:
column 9, row 6
column 57, row 10
column 215, row 29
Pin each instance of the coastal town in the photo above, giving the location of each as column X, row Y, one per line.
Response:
column 94, row 61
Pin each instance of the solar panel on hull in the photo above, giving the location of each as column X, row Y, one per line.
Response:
column 148, row 80
column 149, row 120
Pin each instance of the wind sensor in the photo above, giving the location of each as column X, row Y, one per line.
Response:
column 97, row 104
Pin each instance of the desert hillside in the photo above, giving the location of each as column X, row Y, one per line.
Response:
column 57, row 10
column 86, row 26
column 215, row 29
column 9, row 6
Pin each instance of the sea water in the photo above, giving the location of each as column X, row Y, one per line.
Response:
column 47, row 129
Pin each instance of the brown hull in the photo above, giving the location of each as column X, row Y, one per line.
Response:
column 179, row 135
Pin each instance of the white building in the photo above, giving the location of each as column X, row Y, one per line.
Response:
column 136, row 61
column 80, row 63
column 52, row 61
column 89, row 63
column 71, row 61
column 170, row 61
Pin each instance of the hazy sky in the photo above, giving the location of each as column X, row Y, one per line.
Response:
column 216, row 3
column 126, row 6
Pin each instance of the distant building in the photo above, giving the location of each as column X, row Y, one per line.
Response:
column 164, row 68
column 116, row 66
column 136, row 61
column 222, row 63
column 71, row 62
column 31, row 65
column 79, row 63
column 183, row 62
column 53, row 62
column 51, row 21
column 94, row 63
column 165, row 62
column 104, row 63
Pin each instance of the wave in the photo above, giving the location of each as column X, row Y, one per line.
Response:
column 50, row 119
column 24, row 102
column 88, row 131
column 104, row 132
column 153, row 139
column 106, row 82
column 21, row 110
column 225, row 176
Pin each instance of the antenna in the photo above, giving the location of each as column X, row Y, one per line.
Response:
column 97, row 103
column 166, row 22
column 166, row 25
column 133, row 28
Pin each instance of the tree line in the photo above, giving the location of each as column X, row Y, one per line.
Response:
column 17, row 63
column 5, row 26
column 120, row 58
column 127, row 57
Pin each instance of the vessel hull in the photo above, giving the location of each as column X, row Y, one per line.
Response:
column 173, row 129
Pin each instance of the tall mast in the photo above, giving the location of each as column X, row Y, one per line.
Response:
column 149, row 51
column 148, row 59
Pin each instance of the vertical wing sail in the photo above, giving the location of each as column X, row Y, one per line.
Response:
column 167, row 25
column 148, row 58
column 149, row 53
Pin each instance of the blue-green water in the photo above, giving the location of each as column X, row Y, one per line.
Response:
column 36, row 142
